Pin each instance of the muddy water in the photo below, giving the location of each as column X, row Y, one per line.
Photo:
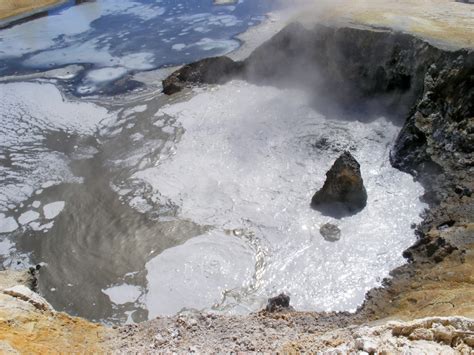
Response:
column 97, row 240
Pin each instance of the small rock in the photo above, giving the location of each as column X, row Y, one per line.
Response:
column 366, row 344
column 330, row 232
column 443, row 334
column 159, row 339
column 343, row 189
column 469, row 341
column 278, row 303
column 421, row 334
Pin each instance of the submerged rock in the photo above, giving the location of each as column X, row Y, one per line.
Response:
column 279, row 303
column 343, row 189
column 330, row 232
column 214, row 70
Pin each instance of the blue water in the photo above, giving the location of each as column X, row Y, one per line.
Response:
column 126, row 35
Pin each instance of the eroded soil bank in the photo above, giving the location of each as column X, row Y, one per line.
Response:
column 432, row 91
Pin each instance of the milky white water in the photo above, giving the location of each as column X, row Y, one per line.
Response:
column 248, row 163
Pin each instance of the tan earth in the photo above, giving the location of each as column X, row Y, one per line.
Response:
column 11, row 8
column 28, row 324
column 440, row 21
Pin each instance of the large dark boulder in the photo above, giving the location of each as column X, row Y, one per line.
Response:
column 343, row 191
column 214, row 70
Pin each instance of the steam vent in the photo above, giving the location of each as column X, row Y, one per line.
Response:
column 343, row 190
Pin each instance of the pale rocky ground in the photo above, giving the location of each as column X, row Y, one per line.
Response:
column 28, row 324
column 444, row 22
column 434, row 335
column 296, row 332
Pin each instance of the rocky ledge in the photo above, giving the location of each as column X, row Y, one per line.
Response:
column 29, row 325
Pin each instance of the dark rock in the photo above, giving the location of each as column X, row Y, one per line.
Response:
column 279, row 303
column 463, row 191
column 343, row 189
column 371, row 70
column 214, row 70
column 330, row 232
column 439, row 128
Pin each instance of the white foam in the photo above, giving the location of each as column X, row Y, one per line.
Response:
column 137, row 137
column 44, row 104
column 49, row 184
column 140, row 204
column 7, row 224
column 178, row 46
column 92, row 52
column 27, row 217
column 208, row 265
column 139, row 108
column 36, row 226
column 224, row 45
column 122, row 294
column 5, row 247
column 106, row 74
column 52, row 210
column 258, row 173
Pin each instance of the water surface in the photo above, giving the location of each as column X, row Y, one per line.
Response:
column 141, row 205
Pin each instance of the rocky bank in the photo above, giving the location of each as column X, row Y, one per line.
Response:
column 29, row 325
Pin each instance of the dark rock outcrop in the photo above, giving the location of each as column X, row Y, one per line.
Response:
column 347, row 67
column 279, row 303
column 343, row 191
column 214, row 70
